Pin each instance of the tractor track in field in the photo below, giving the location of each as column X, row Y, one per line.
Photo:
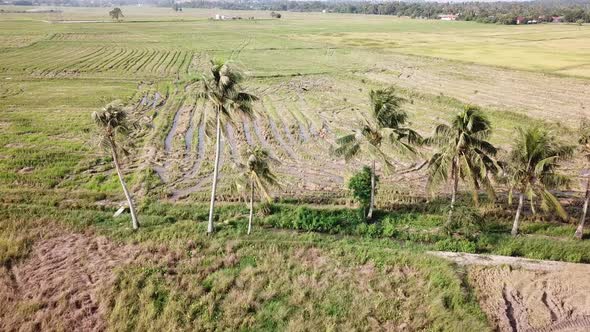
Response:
column 61, row 280
column 261, row 138
column 232, row 142
column 519, row 294
column 279, row 138
column 246, row 130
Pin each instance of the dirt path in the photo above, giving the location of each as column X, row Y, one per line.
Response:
column 58, row 286
column 520, row 294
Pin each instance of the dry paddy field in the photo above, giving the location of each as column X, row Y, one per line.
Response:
column 311, row 72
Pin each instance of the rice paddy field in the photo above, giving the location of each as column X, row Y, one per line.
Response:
column 312, row 73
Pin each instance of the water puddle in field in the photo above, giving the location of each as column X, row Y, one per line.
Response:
column 261, row 139
column 279, row 138
column 157, row 97
column 200, row 152
column 170, row 136
column 161, row 171
column 246, row 127
column 188, row 136
column 183, row 192
column 304, row 134
column 231, row 139
column 290, row 137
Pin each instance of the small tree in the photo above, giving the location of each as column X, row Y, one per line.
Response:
column 361, row 187
column 113, row 132
column 116, row 14
column 584, row 146
column 256, row 175
column 275, row 15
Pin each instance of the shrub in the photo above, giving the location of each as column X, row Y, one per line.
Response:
column 456, row 245
column 388, row 227
column 466, row 222
column 265, row 209
column 317, row 220
column 169, row 219
column 360, row 186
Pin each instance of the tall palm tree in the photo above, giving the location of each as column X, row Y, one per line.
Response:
column 113, row 130
column 463, row 154
column 256, row 175
column 222, row 90
column 386, row 124
column 532, row 166
column 584, row 145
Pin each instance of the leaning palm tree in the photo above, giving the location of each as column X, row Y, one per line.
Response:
column 113, row 130
column 463, row 154
column 221, row 88
column 531, row 169
column 256, row 175
column 584, row 146
column 386, row 125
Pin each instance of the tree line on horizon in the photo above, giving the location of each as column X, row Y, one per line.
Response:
column 461, row 149
column 501, row 12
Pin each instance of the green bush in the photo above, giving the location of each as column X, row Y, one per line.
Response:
column 360, row 186
column 265, row 209
column 389, row 228
column 456, row 245
column 314, row 220
column 466, row 222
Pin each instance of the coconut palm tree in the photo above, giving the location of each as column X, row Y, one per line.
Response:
column 385, row 125
column 256, row 175
column 463, row 154
column 113, row 132
column 221, row 88
column 532, row 166
column 584, row 146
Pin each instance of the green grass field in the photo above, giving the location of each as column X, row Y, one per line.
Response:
column 312, row 73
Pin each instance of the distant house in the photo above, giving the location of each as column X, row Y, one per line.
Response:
column 557, row 19
column 447, row 17
column 520, row 20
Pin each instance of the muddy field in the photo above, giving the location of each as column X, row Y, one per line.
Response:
column 58, row 287
column 527, row 295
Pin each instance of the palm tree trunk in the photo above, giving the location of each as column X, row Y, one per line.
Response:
column 517, row 217
column 580, row 230
column 454, row 175
column 215, row 171
column 251, row 206
column 372, row 202
column 134, row 221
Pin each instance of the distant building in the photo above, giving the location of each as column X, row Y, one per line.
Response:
column 557, row 19
column 447, row 17
column 520, row 20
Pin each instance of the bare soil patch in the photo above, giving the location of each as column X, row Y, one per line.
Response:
column 59, row 285
column 528, row 295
